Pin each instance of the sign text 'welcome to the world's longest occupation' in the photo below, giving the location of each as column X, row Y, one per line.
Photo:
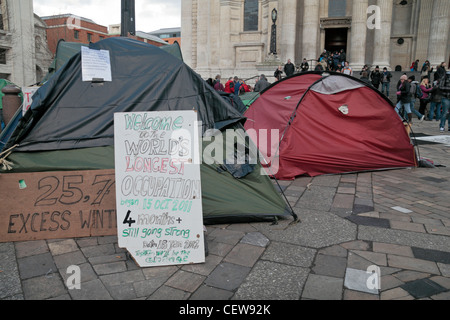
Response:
column 158, row 187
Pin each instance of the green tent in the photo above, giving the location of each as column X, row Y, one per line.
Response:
column 66, row 50
column 70, row 126
column 248, row 98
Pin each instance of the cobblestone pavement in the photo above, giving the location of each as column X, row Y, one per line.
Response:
column 393, row 222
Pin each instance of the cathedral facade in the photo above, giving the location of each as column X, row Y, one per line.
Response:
column 249, row 37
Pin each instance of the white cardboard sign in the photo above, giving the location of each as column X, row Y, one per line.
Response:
column 158, row 187
column 28, row 93
column 96, row 64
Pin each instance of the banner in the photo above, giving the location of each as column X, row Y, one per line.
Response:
column 57, row 205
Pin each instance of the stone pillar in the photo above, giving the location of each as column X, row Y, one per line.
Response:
column 21, row 26
column 359, row 34
column 288, row 29
column 423, row 30
column 187, row 30
column 226, row 50
column 439, row 32
column 311, row 26
column 203, row 12
column 382, row 50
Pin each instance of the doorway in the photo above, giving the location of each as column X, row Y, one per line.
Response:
column 336, row 39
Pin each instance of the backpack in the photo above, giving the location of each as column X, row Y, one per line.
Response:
column 417, row 91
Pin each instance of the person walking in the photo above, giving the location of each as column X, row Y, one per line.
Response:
column 444, row 86
column 404, row 97
column 425, row 88
column 414, row 84
column 436, row 102
column 386, row 77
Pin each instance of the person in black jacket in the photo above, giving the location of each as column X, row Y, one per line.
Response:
column 404, row 96
column 289, row 68
column 376, row 77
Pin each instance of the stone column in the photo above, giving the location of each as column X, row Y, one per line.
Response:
column 439, row 32
column 425, row 17
column 226, row 49
column 203, row 12
column 382, row 50
column 187, row 31
column 288, row 29
column 311, row 25
column 359, row 34
column 21, row 26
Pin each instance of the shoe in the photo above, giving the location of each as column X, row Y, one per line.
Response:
column 421, row 119
column 442, row 129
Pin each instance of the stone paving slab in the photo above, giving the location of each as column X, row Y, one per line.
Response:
column 395, row 222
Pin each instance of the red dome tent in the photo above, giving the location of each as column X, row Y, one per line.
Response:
column 318, row 123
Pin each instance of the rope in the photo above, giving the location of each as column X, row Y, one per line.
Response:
column 6, row 165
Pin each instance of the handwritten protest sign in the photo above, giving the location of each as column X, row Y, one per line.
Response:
column 56, row 205
column 158, row 193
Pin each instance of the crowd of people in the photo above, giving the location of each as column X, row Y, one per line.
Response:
column 434, row 92
column 433, row 89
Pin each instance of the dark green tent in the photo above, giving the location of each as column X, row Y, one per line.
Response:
column 70, row 126
column 66, row 50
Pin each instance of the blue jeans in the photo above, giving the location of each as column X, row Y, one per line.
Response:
column 406, row 105
column 414, row 110
column 445, row 109
column 433, row 106
column 385, row 86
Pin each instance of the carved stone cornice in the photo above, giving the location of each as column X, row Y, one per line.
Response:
column 344, row 22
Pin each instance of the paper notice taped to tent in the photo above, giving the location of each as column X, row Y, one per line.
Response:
column 57, row 205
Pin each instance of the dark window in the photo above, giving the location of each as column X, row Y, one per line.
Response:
column 1, row 16
column 251, row 14
column 2, row 56
column 337, row 8
column 76, row 34
column 89, row 37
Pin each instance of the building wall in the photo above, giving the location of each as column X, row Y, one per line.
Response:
column 66, row 26
column 214, row 40
column 25, row 57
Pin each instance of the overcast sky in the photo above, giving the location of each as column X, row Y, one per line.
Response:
column 151, row 15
